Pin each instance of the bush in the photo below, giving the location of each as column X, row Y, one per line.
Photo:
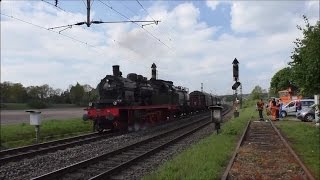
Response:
column 37, row 104
column 2, row 106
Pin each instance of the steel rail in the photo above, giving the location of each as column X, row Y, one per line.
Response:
column 296, row 157
column 64, row 171
column 108, row 173
column 225, row 175
column 42, row 148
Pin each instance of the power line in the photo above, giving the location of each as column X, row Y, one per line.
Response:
column 133, row 22
column 41, row 27
column 55, row 5
column 144, row 9
column 149, row 15
column 96, row 22
column 72, row 38
column 128, row 8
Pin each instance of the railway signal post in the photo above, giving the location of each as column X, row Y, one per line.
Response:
column 35, row 119
column 236, row 84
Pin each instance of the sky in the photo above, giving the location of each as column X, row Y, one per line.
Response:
column 195, row 41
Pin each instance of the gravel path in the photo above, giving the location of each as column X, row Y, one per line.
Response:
column 20, row 116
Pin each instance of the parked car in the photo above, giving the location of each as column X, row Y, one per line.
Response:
column 306, row 114
column 291, row 107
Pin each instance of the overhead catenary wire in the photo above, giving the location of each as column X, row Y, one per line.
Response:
column 144, row 9
column 148, row 14
column 128, row 8
column 41, row 27
column 94, row 48
column 53, row 5
column 134, row 23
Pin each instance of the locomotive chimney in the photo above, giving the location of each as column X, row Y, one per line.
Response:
column 153, row 71
column 116, row 70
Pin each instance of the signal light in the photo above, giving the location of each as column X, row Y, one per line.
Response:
column 235, row 69
column 236, row 85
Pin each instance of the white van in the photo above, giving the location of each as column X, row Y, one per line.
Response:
column 291, row 107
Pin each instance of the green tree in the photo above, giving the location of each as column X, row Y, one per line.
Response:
column 34, row 92
column 306, row 59
column 90, row 94
column 12, row 92
column 76, row 94
column 281, row 80
column 256, row 93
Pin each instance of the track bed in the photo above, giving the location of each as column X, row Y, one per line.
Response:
column 264, row 154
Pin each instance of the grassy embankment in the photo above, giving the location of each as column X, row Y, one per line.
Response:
column 24, row 134
column 208, row 158
column 304, row 138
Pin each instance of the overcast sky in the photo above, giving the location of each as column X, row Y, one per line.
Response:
column 195, row 42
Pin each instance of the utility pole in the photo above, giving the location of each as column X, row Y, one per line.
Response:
column 88, row 13
column 240, row 96
column 201, row 87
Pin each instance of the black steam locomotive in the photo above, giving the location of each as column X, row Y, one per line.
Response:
column 126, row 103
column 136, row 90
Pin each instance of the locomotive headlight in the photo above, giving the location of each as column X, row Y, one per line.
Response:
column 115, row 103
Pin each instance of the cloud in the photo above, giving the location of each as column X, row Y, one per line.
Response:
column 195, row 52
column 270, row 16
column 212, row 4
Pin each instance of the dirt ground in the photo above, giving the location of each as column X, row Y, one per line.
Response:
column 20, row 116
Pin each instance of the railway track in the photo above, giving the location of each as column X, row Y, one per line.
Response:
column 262, row 153
column 16, row 154
column 42, row 148
column 112, row 163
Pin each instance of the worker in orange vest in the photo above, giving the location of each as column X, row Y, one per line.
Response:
column 260, row 105
column 274, row 110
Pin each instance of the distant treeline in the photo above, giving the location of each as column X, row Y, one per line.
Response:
column 42, row 96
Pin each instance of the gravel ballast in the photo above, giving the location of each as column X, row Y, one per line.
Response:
column 42, row 164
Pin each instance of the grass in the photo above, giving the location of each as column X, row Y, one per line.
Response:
column 24, row 134
column 14, row 106
column 208, row 158
column 305, row 140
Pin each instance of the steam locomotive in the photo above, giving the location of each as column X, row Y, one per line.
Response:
column 135, row 102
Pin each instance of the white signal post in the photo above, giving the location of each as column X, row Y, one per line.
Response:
column 35, row 120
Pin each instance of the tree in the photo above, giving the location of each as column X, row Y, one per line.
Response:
column 34, row 92
column 90, row 94
column 281, row 80
column 306, row 59
column 13, row 92
column 76, row 94
column 256, row 93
